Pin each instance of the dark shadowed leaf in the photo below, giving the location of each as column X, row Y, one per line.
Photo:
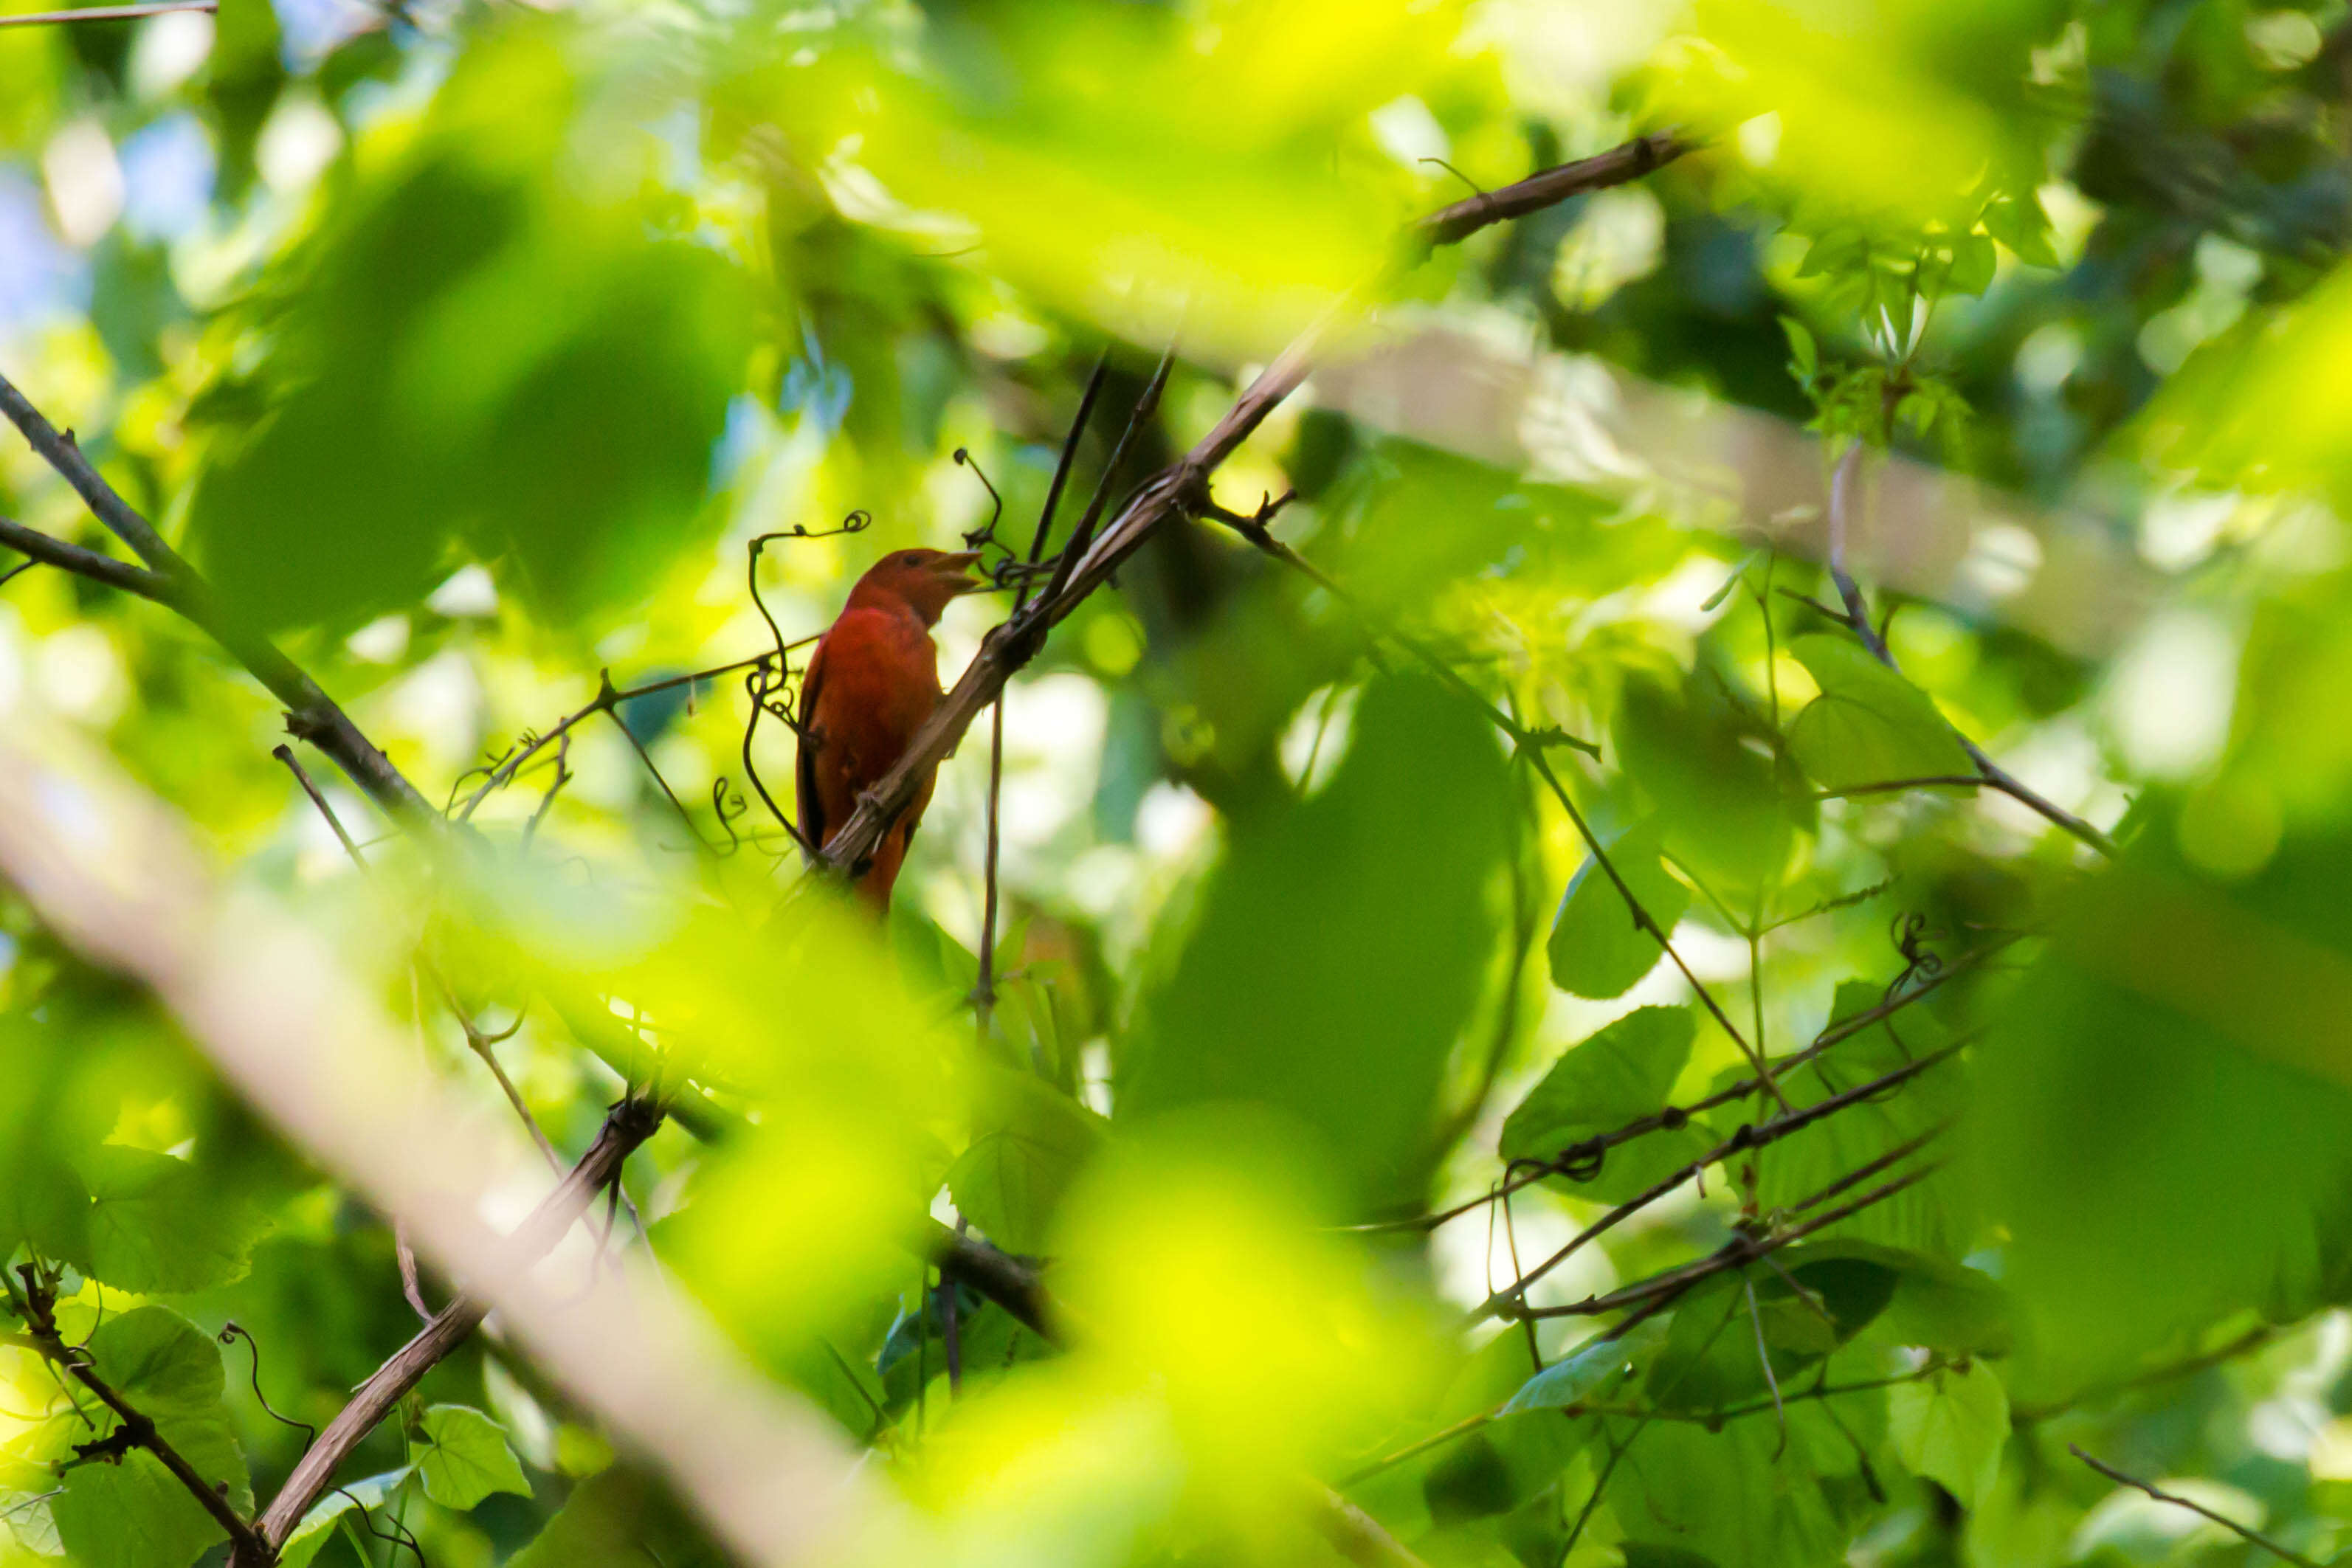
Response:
column 1339, row 949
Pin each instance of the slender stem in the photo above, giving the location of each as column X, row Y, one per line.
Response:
column 1673, row 1116
column 138, row 1429
column 2176, row 1501
column 1662, row 1288
column 105, row 13
column 39, row 547
column 1748, row 1137
column 1857, row 616
column 310, row 714
column 983, row 990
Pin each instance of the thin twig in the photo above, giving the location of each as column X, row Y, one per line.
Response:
column 477, row 1039
column 1857, row 618
column 1617, row 166
column 2231, row 1525
column 1676, row 1117
column 46, row 551
column 1748, row 1137
column 1745, row 1249
column 106, row 12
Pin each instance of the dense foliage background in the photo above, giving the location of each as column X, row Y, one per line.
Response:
column 1342, row 1165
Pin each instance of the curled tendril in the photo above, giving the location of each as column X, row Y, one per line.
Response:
column 230, row 1334
column 727, row 804
column 858, row 522
column 486, row 770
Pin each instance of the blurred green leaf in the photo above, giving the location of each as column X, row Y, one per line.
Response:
column 615, row 1518
column 1596, row 949
column 1723, row 813
column 2175, row 1066
column 1286, row 997
column 1869, row 726
column 1013, row 1176
column 1737, row 1496
column 475, row 351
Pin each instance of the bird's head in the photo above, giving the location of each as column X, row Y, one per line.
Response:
column 923, row 579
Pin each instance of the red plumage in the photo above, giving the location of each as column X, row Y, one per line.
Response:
column 872, row 681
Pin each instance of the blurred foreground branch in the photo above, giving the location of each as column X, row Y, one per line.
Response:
column 108, row 869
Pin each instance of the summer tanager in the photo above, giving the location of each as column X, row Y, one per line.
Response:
column 872, row 681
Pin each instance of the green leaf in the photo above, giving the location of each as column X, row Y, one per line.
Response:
column 1573, row 1378
column 1950, row 1428
column 1932, row 1217
column 44, row 1203
column 2019, row 223
column 1692, row 750
column 1869, row 726
column 161, row 1362
column 462, row 1457
column 317, row 1524
column 1738, row 1497
column 1805, row 358
column 615, row 1519
column 475, row 355
column 157, row 1225
column 1596, row 949
column 1342, row 946
column 1011, row 1178
column 1974, row 261
column 132, row 1514
column 1624, row 1071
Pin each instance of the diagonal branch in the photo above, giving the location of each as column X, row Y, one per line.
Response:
column 1748, row 1137
column 1178, row 488
column 1617, row 166
column 627, row 1126
column 105, row 13
column 2265, row 1541
column 310, row 714
column 138, row 1430
column 89, row 563
column 1857, row 617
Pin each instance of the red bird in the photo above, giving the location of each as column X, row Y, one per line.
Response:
column 872, row 681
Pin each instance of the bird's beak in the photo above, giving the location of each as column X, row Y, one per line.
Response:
column 951, row 568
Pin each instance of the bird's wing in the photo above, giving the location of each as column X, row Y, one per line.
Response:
column 811, row 802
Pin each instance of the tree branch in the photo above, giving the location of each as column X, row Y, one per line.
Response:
column 105, row 13
column 1504, row 1302
column 310, row 714
column 1661, row 1289
column 627, row 1126
column 2176, row 1501
column 1617, row 166
column 138, row 1429
column 1174, row 490
column 82, row 562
